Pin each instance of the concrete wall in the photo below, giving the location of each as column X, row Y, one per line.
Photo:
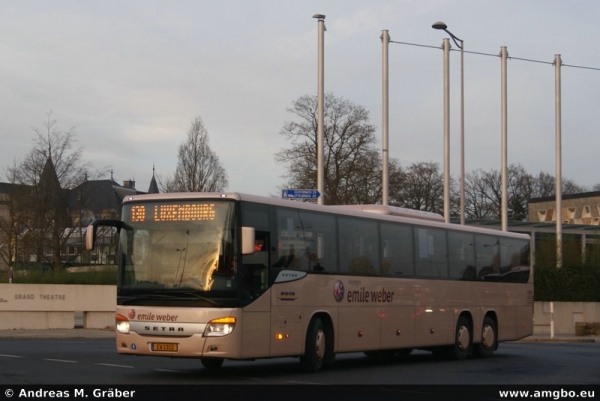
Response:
column 566, row 314
column 53, row 306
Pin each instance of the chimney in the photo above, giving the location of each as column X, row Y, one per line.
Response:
column 129, row 184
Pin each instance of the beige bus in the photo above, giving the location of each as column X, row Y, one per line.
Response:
column 220, row 276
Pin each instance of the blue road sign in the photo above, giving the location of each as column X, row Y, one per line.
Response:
column 300, row 194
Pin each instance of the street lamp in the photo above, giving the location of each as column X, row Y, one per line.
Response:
column 444, row 27
column 320, row 107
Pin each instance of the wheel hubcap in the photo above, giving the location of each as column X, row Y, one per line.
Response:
column 487, row 337
column 463, row 338
column 320, row 344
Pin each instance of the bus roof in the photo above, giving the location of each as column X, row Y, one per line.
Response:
column 378, row 212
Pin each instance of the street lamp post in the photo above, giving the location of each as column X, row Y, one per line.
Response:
column 504, row 137
column 558, row 125
column 320, row 106
column 444, row 27
column 385, row 40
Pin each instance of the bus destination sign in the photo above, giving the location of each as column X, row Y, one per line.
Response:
column 173, row 212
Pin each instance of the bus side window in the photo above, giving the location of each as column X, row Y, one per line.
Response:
column 305, row 241
column 359, row 246
column 431, row 252
column 254, row 281
column 397, row 250
column 488, row 257
column 461, row 255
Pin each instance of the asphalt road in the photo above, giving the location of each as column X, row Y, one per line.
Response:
column 94, row 361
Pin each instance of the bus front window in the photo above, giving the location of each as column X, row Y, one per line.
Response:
column 179, row 246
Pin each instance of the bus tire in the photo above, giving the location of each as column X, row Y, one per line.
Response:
column 212, row 363
column 489, row 339
column 314, row 353
column 463, row 340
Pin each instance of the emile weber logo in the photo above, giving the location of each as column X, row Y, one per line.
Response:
column 149, row 316
column 362, row 294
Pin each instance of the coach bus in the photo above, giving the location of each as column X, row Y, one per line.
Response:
column 220, row 276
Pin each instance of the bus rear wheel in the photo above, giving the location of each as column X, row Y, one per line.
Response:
column 212, row 363
column 489, row 339
column 463, row 340
column 314, row 354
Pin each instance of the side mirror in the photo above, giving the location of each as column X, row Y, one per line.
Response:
column 247, row 240
column 90, row 237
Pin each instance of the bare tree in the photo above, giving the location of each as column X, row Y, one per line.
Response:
column 420, row 187
column 12, row 216
column 50, row 170
column 483, row 192
column 198, row 167
column 543, row 185
column 51, row 143
column 352, row 165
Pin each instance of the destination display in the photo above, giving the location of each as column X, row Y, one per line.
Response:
column 173, row 212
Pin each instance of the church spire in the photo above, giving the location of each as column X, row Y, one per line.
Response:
column 153, row 189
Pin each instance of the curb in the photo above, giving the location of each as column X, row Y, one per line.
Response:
column 559, row 340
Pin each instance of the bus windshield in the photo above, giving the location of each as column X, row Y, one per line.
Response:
column 180, row 250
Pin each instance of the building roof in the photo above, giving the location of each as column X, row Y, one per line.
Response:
column 566, row 196
column 153, row 189
column 99, row 195
column 7, row 188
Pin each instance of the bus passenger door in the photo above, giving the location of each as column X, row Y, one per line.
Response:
column 256, row 325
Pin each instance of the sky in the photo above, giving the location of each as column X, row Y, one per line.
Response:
column 130, row 76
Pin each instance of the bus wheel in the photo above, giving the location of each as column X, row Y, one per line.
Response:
column 462, row 341
column 212, row 363
column 314, row 354
column 489, row 339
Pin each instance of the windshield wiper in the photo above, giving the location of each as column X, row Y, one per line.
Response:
column 169, row 295
column 192, row 293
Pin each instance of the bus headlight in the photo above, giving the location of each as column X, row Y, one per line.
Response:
column 219, row 327
column 122, row 324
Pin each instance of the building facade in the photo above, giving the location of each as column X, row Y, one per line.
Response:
column 45, row 224
column 582, row 208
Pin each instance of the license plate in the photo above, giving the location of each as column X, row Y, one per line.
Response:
column 164, row 347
